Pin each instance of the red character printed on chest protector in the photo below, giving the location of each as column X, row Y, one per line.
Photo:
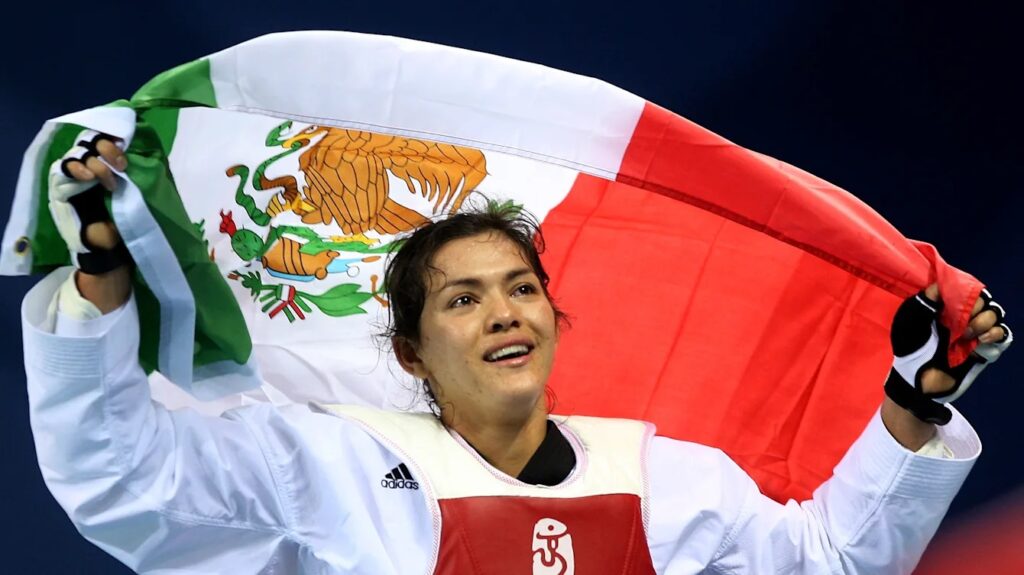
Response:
column 552, row 548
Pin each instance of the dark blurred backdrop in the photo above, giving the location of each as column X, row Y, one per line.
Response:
column 911, row 106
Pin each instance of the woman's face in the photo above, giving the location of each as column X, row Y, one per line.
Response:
column 487, row 334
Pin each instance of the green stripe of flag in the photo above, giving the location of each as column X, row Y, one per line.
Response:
column 221, row 333
column 180, row 87
column 48, row 249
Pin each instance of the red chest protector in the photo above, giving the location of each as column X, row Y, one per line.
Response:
column 487, row 523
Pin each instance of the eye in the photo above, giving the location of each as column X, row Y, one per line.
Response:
column 525, row 289
column 461, row 301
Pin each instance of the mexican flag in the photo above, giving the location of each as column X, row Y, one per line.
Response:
column 728, row 297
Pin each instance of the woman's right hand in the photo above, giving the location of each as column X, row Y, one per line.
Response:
column 78, row 186
column 77, row 197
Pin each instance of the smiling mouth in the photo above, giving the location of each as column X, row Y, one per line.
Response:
column 508, row 352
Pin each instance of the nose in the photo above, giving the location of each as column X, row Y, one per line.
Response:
column 504, row 316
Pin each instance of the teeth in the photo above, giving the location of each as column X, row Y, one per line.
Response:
column 507, row 351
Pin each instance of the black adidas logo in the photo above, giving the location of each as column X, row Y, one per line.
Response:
column 399, row 478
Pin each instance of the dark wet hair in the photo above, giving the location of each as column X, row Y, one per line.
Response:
column 407, row 271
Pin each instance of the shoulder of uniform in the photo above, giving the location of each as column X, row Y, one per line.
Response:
column 390, row 422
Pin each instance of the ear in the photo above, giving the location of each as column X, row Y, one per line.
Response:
column 410, row 361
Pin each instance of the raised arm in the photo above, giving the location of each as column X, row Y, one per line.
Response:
column 886, row 498
column 156, row 489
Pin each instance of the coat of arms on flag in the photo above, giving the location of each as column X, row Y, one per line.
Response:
column 316, row 218
column 726, row 296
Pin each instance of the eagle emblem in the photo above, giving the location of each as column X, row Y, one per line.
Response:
column 346, row 184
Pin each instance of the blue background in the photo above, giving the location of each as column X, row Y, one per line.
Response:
column 914, row 108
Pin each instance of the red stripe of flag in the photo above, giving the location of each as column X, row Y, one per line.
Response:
column 752, row 315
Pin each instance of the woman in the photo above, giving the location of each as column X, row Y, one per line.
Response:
column 494, row 484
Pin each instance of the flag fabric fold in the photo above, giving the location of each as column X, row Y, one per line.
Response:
column 728, row 297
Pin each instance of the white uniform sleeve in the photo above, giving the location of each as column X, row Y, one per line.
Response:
column 875, row 515
column 161, row 491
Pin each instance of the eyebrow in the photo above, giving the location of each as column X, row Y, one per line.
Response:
column 473, row 282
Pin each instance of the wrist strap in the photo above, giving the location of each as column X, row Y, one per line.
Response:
column 91, row 208
column 906, row 396
column 97, row 261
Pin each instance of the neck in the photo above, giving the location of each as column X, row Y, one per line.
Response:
column 506, row 445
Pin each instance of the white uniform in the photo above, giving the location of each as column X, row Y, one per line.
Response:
column 291, row 490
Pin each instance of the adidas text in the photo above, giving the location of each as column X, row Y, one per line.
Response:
column 399, row 484
column 399, row 478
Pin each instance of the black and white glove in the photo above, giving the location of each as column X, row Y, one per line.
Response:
column 75, row 204
column 920, row 342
